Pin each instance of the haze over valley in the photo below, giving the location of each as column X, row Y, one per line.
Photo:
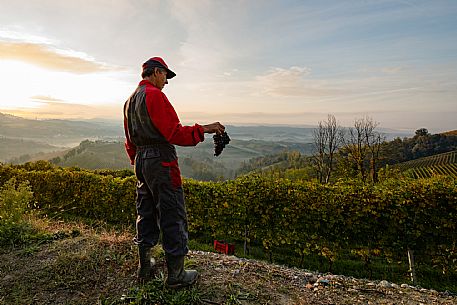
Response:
column 98, row 144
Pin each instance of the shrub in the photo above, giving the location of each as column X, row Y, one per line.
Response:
column 14, row 207
column 14, row 201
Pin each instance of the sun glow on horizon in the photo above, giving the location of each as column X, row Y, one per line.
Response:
column 21, row 84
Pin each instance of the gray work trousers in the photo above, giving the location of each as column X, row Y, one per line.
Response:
column 160, row 200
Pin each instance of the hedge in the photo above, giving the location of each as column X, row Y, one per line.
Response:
column 390, row 216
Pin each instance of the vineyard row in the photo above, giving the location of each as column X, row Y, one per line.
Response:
column 307, row 217
column 440, row 159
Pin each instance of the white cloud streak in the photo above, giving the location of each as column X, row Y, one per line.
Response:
column 291, row 82
column 47, row 57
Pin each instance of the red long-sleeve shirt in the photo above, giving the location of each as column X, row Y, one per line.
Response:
column 163, row 116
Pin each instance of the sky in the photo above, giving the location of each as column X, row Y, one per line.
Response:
column 237, row 62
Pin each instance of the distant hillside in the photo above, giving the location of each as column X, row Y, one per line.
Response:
column 248, row 142
column 450, row 133
column 95, row 155
column 62, row 132
column 271, row 133
column 239, row 151
column 417, row 150
column 205, row 170
column 234, row 155
column 57, row 132
column 13, row 148
column 278, row 162
column 39, row 156
column 196, row 162
column 422, row 144
column 112, row 155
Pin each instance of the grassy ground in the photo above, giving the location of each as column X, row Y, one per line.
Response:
column 57, row 262
column 66, row 263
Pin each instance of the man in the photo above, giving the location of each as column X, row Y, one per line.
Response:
column 152, row 128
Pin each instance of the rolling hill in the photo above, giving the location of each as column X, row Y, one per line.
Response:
column 57, row 132
column 196, row 162
column 11, row 148
column 95, row 155
column 450, row 133
column 71, row 132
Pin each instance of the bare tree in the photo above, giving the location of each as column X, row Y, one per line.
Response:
column 355, row 146
column 374, row 143
column 328, row 137
column 335, row 135
column 320, row 140
column 363, row 146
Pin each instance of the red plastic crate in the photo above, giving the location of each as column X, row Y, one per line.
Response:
column 224, row 247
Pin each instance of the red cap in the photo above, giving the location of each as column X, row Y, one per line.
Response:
column 158, row 62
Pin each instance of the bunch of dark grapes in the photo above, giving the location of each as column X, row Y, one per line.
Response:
column 219, row 142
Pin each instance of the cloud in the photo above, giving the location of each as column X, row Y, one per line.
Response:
column 209, row 47
column 49, row 58
column 51, row 108
column 392, row 70
column 292, row 82
column 45, row 98
column 16, row 36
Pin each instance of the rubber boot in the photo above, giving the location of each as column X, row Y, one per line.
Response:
column 177, row 276
column 145, row 265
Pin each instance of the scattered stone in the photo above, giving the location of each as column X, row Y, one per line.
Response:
column 354, row 291
column 337, row 284
column 385, row 284
column 312, row 279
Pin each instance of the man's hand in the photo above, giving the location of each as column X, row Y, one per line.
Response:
column 216, row 127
